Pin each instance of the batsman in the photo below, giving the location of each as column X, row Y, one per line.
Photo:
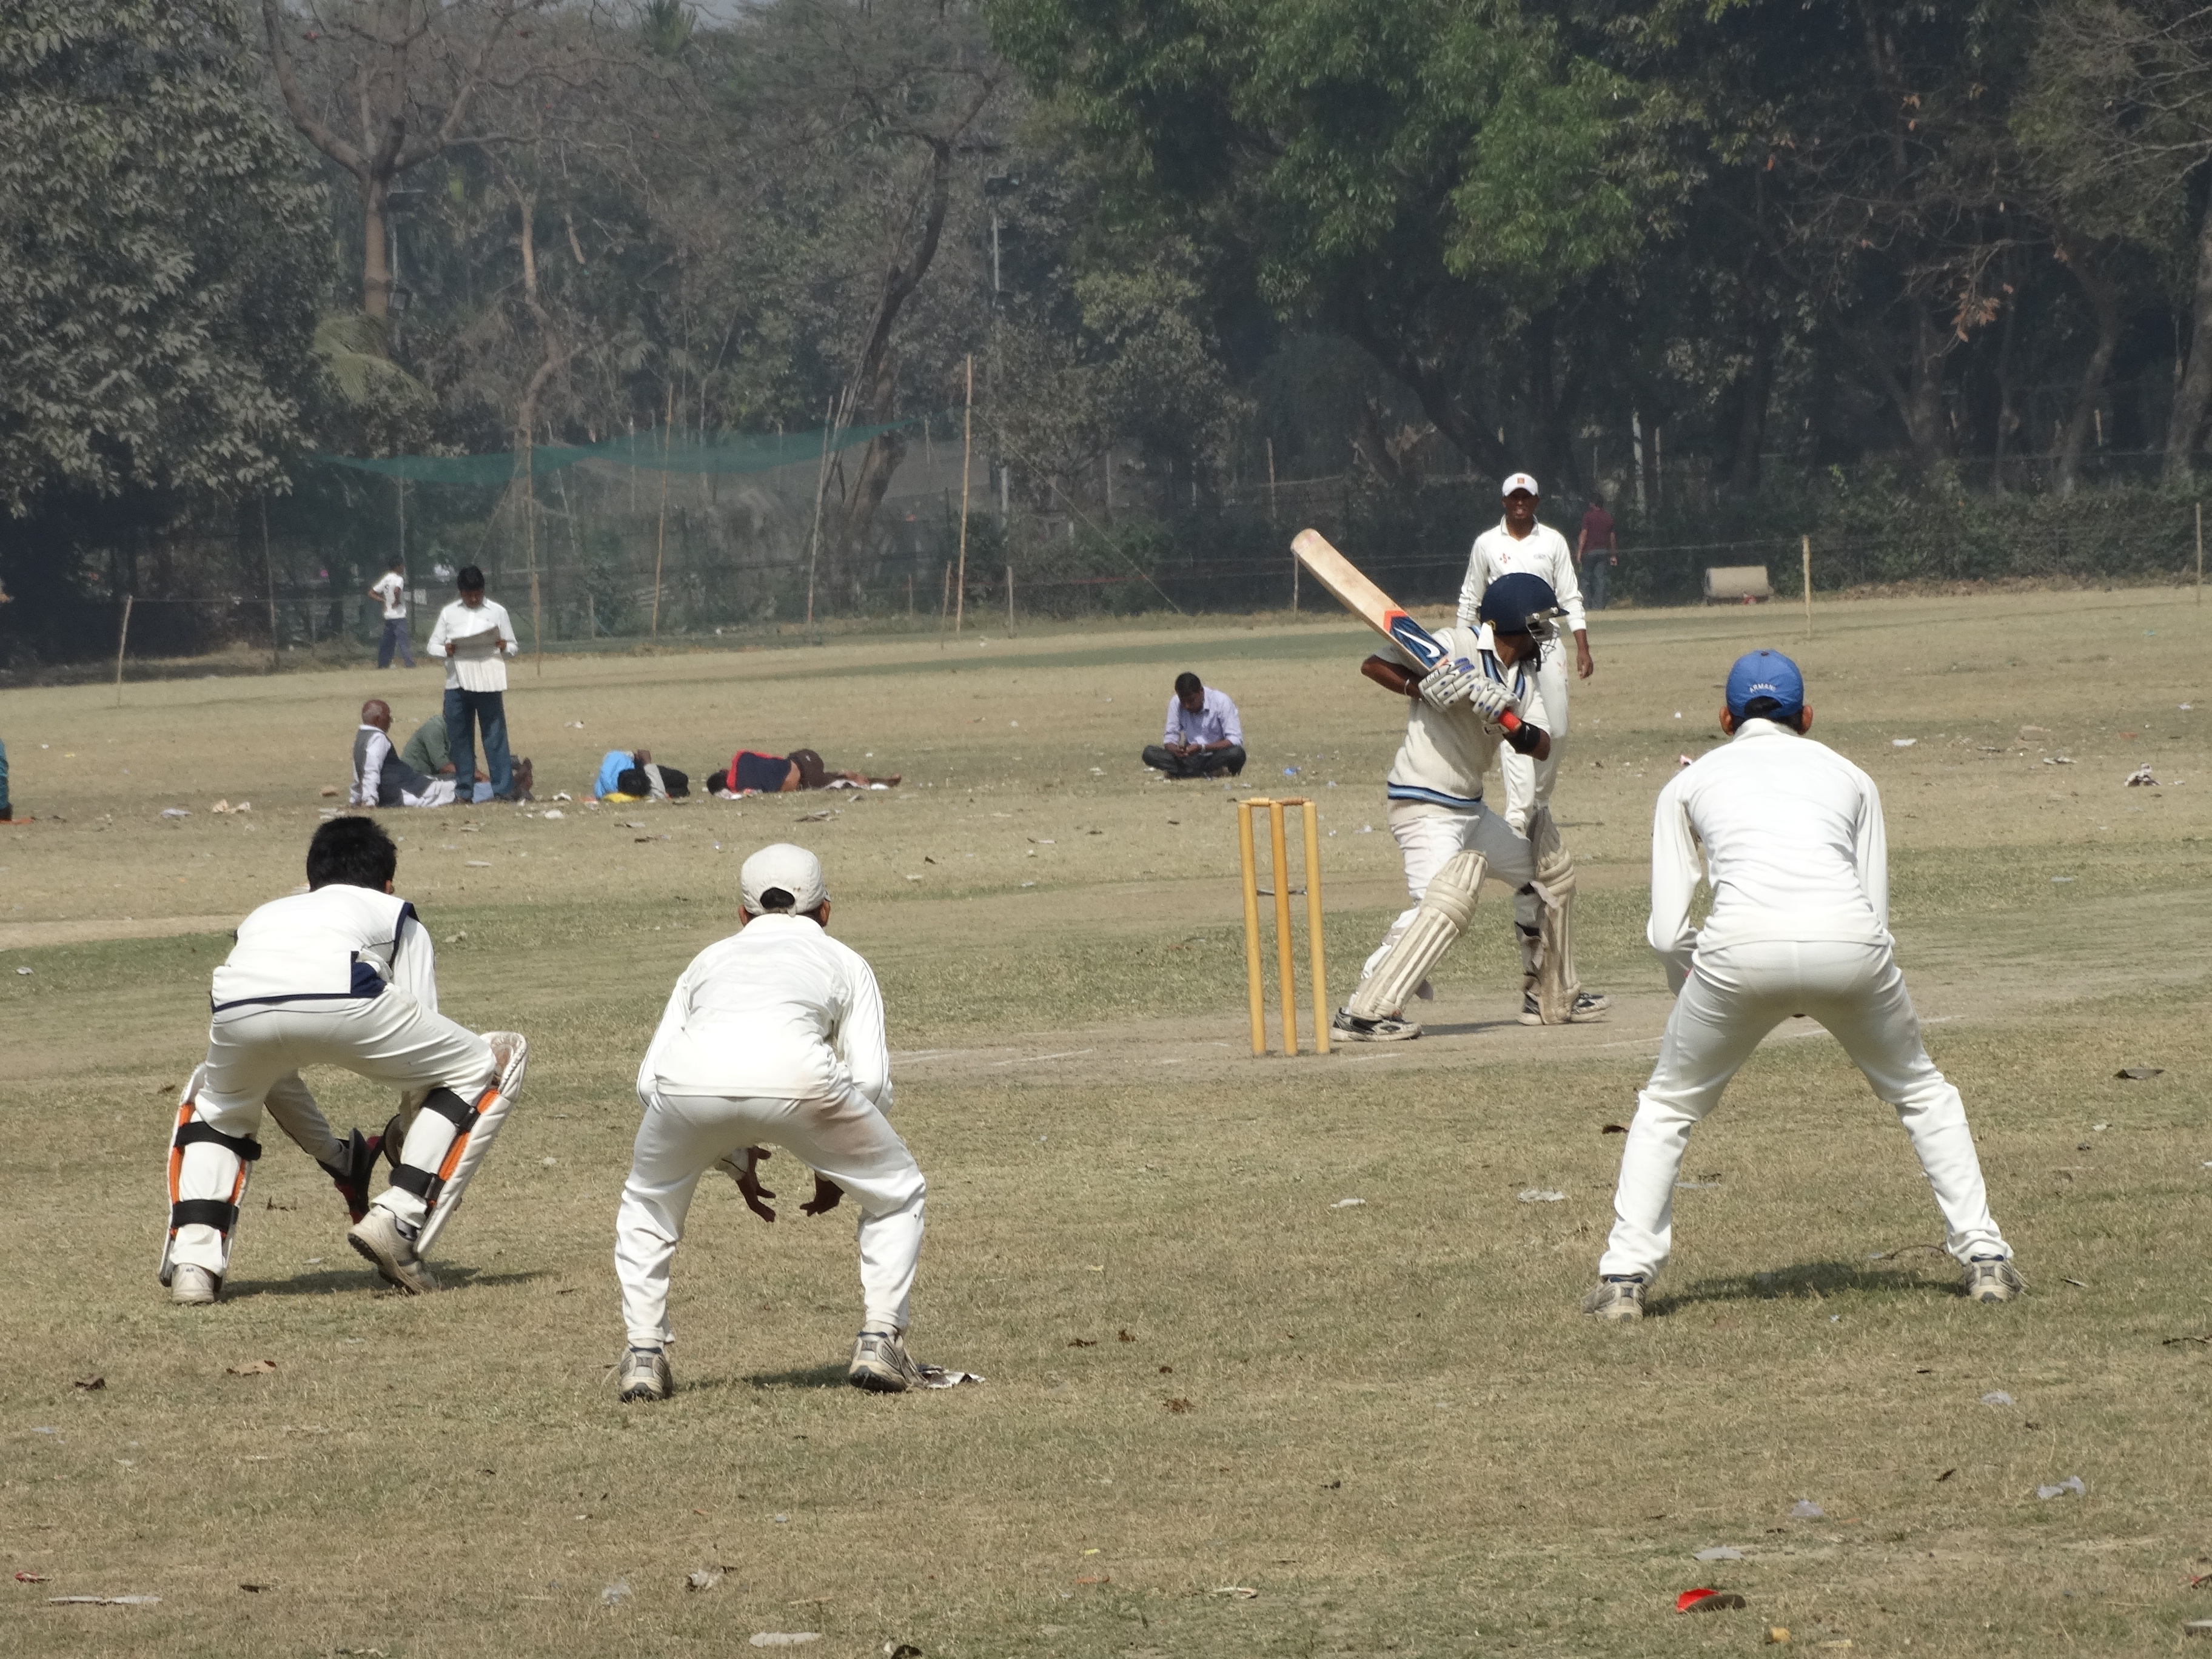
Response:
column 340, row 975
column 1482, row 693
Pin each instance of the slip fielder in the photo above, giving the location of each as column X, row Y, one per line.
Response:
column 1519, row 543
column 775, row 1034
column 341, row 974
column 1450, row 839
column 1794, row 848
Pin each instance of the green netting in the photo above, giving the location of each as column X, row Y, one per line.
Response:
column 648, row 451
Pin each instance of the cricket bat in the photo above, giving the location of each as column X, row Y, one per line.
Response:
column 1372, row 605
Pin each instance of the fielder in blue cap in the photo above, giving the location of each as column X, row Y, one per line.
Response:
column 1789, row 835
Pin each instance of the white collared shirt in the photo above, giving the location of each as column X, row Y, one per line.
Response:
column 472, row 639
column 1445, row 753
column 1542, row 552
column 392, row 588
column 1792, row 841
column 779, row 1010
column 1215, row 718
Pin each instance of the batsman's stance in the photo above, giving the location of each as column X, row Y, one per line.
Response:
column 1451, row 840
column 340, row 975
column 775, row 1034
column 1795, row 850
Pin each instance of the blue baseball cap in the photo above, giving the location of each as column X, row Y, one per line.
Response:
column 1765, row 676
column 1519, row 603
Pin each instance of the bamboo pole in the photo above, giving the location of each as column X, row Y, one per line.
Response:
column 122, row 639
column 660, row 538
column 2200, row 552
column 1010, row 599
column 268, row 575
column 530, row 542
column 821, row 490
column 967, row 450
column 1809, row 586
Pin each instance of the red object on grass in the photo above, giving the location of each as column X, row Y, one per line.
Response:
column 1706, row 1600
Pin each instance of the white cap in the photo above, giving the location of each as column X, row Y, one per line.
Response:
column 780, row 865
column 1520, row 481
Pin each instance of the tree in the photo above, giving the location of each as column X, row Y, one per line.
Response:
column 394, row 84
column 159, row 265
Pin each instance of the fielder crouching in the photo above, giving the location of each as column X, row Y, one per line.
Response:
column 774, row 1034
column 341, row 974
column 1793, row 843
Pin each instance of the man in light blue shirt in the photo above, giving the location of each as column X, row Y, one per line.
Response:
column 1203, row 738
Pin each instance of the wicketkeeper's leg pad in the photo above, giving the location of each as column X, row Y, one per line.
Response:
column 208, row 1174
column 1554, row 967
column 1441, row 917
column 474, row 1128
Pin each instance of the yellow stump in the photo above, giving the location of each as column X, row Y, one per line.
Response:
column 1248, row 831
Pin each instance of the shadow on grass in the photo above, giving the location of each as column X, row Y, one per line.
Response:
column 813, row 1376
column 1813, row 1280
column 332, row 1282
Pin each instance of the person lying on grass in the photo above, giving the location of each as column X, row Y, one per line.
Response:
column 751, row 773
column 631, row 774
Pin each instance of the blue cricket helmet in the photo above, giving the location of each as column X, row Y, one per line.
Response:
column 1519, row 603
column 1765, row 685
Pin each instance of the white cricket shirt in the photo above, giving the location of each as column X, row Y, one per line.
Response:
column 473, row 640
column 1542, row 552
column 1445, row 754
column 335, row 943
column 392, row 587
column 778, row 1009
column 1792, row 842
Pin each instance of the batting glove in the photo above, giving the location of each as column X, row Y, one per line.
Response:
column 1492, row 701
column 1448, row 683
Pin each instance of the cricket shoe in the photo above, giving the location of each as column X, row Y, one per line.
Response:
column 350, row 1173
column 1618, row 1299
column 1993, row 1278
column 1349, row 1027
column 881, row 1364
column 194, row 1287
column 1589, row 1004
column 392, row 1253
column 644, row 1375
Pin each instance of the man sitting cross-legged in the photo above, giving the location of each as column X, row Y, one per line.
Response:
column 1203, row 738
column 775, row 1036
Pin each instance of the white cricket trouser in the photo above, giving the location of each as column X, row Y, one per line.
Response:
column 1429, row 836
column 1528, row 783
column 1733, row 997
column 848, row 1139
column 253, row 1060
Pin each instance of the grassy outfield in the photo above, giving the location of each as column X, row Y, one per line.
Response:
column 1207, row 1377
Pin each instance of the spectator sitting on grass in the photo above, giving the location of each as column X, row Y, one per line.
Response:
column 751, row 773
column 630, row 775
column 1203, row 738
column 380, row 777
column 427, row 752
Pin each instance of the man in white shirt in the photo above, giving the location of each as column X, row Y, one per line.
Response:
column 1520, row 543
column 475, row 637
column 341, row 974
column 390, row 589
column 380, row 777
column 774, row 1035
column 1202, row 736
column 1450, row 839
column 1794, row 848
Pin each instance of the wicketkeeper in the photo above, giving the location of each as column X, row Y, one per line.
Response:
column 774, row 1035
column 1795, row 851
column 340, row 975
column 1451, row 840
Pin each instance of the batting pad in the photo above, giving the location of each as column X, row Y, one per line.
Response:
column 1442, row 917
column 208, row 1174
column 1557, row 985
column 473, row 1143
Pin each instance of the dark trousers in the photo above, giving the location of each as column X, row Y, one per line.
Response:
column 490, row 709
column 1594, row 575
column 395, row 637
column 1197, row 764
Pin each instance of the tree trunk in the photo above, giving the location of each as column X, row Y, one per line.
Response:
column 375, row 259
column 2195, row 391
column 2105, row 302
column 1754, row 391
column 1372, row 446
